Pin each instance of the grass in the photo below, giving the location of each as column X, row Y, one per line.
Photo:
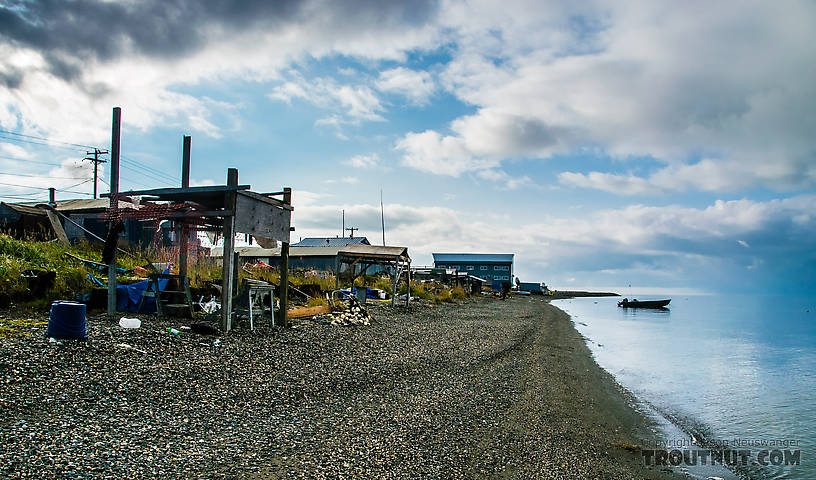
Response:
column 17, row 256
column 11, row 327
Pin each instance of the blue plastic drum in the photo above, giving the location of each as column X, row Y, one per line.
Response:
column 67, row 320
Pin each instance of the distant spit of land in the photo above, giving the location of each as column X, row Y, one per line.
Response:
column 577, row 293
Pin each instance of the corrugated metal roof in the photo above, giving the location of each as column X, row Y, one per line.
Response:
column 331, row 241
column 275, row 252
column 77, row 204
column 474, row 257
column 376, row 251
column 26, row 209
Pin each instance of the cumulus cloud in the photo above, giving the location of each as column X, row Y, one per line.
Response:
column 353, row 103
column 418, row 86
column 706, row 175
column 60, row 72
column 364, row 161
column 635, row 79
column 666, row 244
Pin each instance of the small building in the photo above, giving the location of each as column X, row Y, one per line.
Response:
column 323, row 259
column 495, row 268
column 77, row 217
column 331, row 241
column 531, row 287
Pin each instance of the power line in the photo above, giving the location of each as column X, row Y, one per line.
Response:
column 17, row 159
column 46, row 188
column 149, row 169
column 42, row 176
column 46, row 139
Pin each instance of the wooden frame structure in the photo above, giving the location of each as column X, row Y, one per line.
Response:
column 230, row 209
column 364, row 256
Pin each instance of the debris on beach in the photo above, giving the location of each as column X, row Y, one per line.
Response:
column 353, row 313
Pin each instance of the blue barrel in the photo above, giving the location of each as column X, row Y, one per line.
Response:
column 67, row 320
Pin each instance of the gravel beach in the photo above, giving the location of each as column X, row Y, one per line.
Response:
column 480, row 389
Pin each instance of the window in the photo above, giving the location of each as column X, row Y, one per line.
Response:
column 497, row 268
column 483, row 267
column 470, row 267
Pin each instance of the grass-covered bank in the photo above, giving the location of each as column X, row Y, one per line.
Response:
column 63, row 277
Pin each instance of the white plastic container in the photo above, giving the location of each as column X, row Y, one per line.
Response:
column 125, row 322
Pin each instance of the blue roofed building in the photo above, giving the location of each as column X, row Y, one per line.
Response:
column 496, row 268
column 331, row 241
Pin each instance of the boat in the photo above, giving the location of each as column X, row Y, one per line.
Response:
column 626, row 303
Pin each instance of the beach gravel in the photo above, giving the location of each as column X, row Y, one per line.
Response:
column 481, row 389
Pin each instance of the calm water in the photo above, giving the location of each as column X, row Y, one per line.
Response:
column 728, row 367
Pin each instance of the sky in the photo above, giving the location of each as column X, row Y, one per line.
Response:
column 604, row 143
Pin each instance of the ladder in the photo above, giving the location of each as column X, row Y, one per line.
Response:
column 153, row 290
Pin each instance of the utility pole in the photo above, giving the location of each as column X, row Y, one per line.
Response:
column 114, row 204
column 382, row 216
column 96, row 161
column 352, row 229
column 185, row 231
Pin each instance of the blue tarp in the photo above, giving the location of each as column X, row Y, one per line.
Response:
column 128, row 297
column 370, row 293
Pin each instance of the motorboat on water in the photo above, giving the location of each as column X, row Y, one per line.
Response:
column 635, row 303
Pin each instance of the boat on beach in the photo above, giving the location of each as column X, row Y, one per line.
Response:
column 635, row 303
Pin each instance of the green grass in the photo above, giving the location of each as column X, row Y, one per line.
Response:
column 17, row 256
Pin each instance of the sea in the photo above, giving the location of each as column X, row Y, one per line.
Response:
column 716, row 371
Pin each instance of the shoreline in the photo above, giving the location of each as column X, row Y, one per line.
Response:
column 482, row 389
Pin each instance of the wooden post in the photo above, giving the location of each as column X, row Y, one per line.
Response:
column 52, row 196
column 337, row 272
column 284, row 268
column 229, row 246
column 408, row 297
column 114, row 203
column 185, row 231
column 396, row 282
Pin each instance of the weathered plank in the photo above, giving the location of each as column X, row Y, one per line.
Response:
column 261, row 219
column 308, row 311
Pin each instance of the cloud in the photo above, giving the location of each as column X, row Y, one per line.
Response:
column 706, row 175
column 351, row 103
column 431, row 152
column 620, row 184
column 500, row 176
column 666, row 246
column 364, row 161
column 418, row 86
column 633, row 80
column 59, row 76
column 174, row 29
column 346, row 180
column 14, row 151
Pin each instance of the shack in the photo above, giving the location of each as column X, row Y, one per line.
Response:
column 228, row 209
column 80, row 219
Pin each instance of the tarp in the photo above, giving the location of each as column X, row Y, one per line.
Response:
column 128, row 297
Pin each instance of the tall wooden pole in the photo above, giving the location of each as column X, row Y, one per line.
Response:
column 185, row 231
column 284, row 268
column 114, row 203
column 229, row 246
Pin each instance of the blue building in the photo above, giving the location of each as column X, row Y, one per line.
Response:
column 496, row 268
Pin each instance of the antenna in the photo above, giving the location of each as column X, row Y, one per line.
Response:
column 382, row 216
column 343, row 230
